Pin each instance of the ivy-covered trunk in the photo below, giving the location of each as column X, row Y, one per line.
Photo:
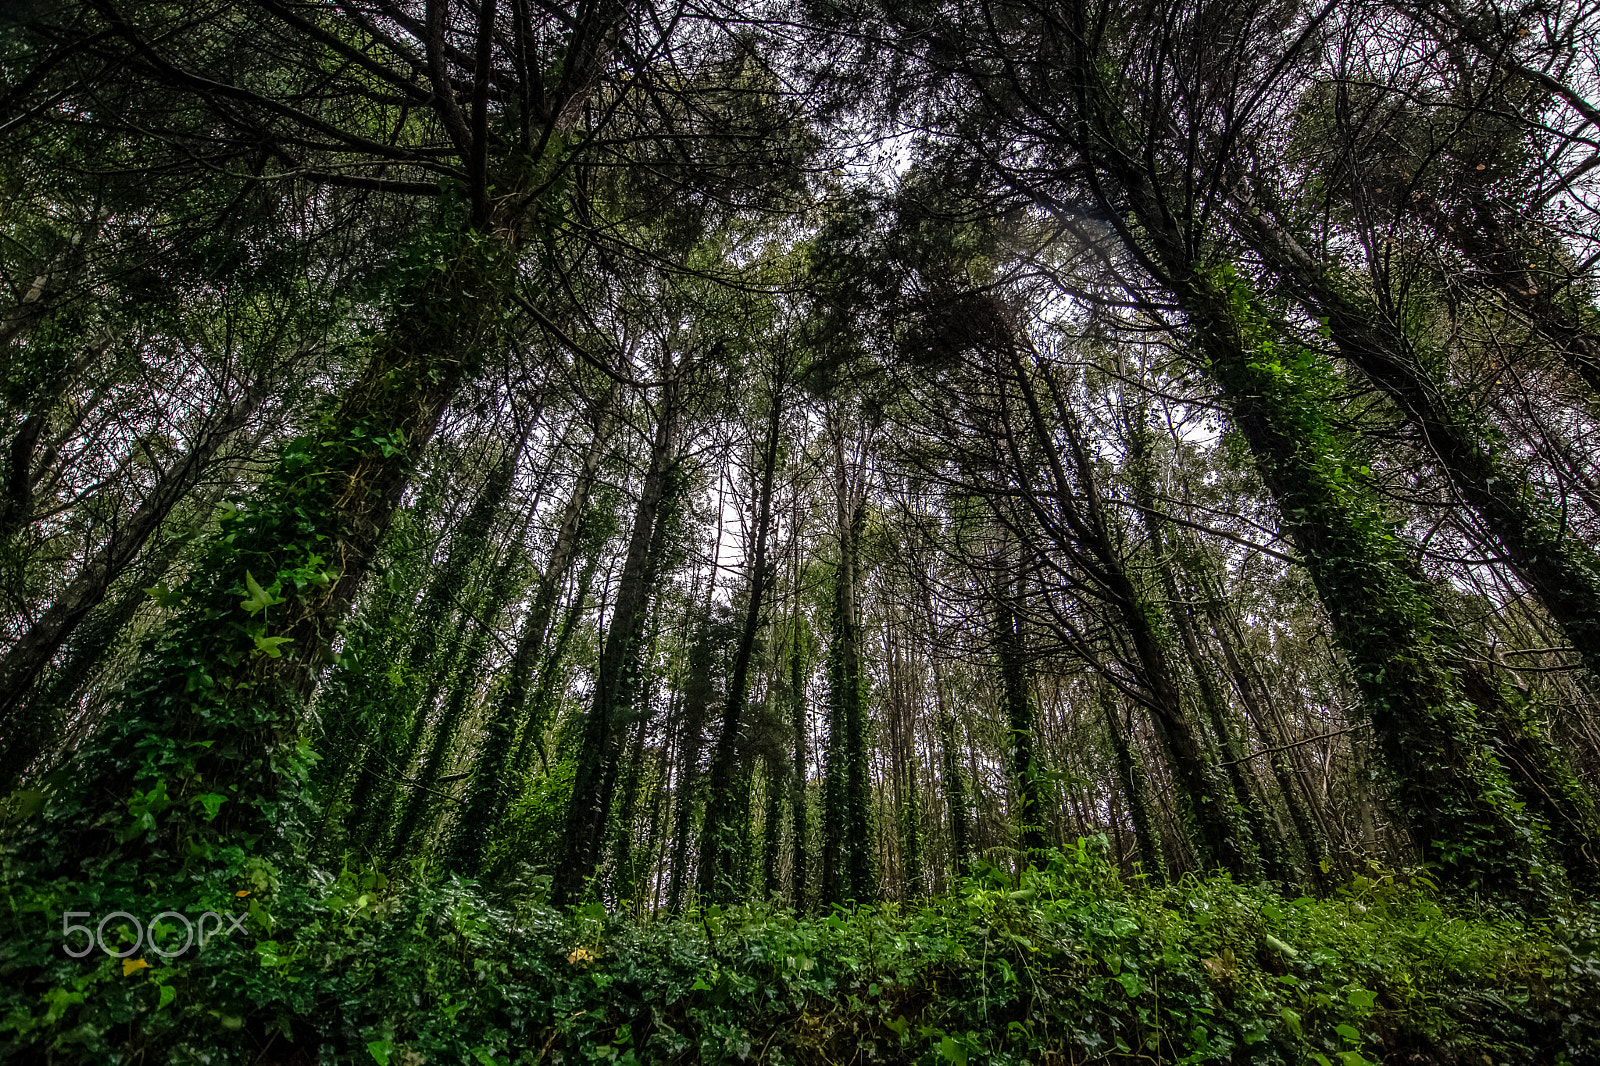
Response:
column 616, row 679
column 799, row 801
column 691, row 741
column 1561, row 569
column 847, row 860
column 206, row 738
column 491, row 788
column 1406, row 661
column 1016, row 698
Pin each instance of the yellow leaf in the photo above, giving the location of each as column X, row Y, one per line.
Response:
column 242, row 893
column 130, row 966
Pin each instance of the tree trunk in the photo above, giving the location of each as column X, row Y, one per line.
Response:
column 1455, row 791
column 490, row 790
column 1252, row 695
column 616, row 679
column 1016, row 698
column 1130, row 773
column 1082, row 531
column 237, row 669
column 847, row 826
column 21, row 473
column 1561, row 569
column 800, row 868
column 726, row 789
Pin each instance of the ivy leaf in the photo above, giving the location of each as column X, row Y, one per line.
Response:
column 211, row 802
column 259, row 600
column 132, row 966
column 268, row 646
column 163, row 596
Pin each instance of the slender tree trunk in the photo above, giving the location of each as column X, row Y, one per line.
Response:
column 21, row 473
column 1263, row 834
column 1017, row 699
column 616, row 680
column 696, row 705
column 1252, row 695
column 950, row 780
column 1082, row 530
column 626, row 876
column 1130, row 773
column 491, row 788
column 774, row 780
column 726, row 790
column 422, row 803
column 97, row 635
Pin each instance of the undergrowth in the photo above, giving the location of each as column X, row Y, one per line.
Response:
column 1069, row 965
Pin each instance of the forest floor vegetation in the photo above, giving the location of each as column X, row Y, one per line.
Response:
column 1068, row 964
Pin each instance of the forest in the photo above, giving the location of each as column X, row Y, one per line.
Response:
column 800, row 531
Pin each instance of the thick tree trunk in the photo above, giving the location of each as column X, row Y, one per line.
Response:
column 1560, row 568
column 1454, row 790
column 237, row 669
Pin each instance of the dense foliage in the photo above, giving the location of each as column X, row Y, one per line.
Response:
column 810, row 531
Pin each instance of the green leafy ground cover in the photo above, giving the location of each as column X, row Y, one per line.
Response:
column 1069, row 966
